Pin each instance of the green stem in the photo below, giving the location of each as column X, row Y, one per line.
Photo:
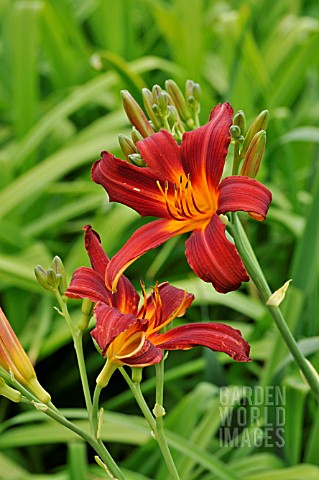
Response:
column 137, row 393
column 254, row 271
column 156, row 425
column 77, row 336
column 237, row 159
column 51, row 410
column 96, row 444
column 95, row 410
column 160, row 434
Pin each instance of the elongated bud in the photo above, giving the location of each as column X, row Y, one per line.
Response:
column 162, row 102
column 156, row 91
column 240, row 120
column 136, row 115
column 193, row 96
column 260, row 123
column 254, row 155
column 193, row 89
column 137, row 160
column 136, row 136
column 53, row 278
column 58, row 267
column 179, row 102
column 9, row 392
column 15, row 361
column 149, row 104
column 87, row 312
column 42, row 278
column 127, row 146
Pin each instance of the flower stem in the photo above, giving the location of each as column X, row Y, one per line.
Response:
column 160, row 434
column 155, row 425
column 51, row 410
column 77, row 335
column 96, row 444
column 237, row 159
column 254, row 271
column 95, row 410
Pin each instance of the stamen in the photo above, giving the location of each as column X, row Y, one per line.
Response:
column 192, row 195
column 144, row 308
column 171, row 318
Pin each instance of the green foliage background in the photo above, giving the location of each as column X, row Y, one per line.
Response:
column 62, row 65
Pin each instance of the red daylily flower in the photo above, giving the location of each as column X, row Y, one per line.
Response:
column 128, row 334
column 182, row 185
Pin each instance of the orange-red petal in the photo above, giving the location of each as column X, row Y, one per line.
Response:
column 214, row 258
column 143, row 239
column 86, row 283
column 98, row 257
column 204, row 150
column 162, row 154
column 216, row 336
column 148, row 355
column 244, row 193
column 171, row 299
column 133, row 186
column 110, row 323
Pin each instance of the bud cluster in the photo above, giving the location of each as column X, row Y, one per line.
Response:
column 166, row 108
column 252, row 144
column 53, row 278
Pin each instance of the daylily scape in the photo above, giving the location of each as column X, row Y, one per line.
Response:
column 182, row 186
column 130, row 335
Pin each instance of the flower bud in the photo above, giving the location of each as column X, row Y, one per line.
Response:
column 235, row 132
column 42, row 278
column 53, row 278
column 9, row 392
column 127, row 146
column 156, row 91
column 16, row 362
column 240, row 120
column 179, row 102
column 136, row 136
column 162, row 102
column 260, row 123
column 58, row 267
column 148, row 100
column 136, row 115
column 137, row 160
column 193, row 89
column 254, row 155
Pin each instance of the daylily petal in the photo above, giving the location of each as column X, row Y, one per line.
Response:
column 244, row 193
column 98, row 258
column 126, row 298
column 214, row 258
column 148, row 355
column 204, row 150
column 162, row 154
column 216, row 336
column 86, row 283
column 143, row 239
column 110, row 323
column 172, row 299
column 133, row 186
